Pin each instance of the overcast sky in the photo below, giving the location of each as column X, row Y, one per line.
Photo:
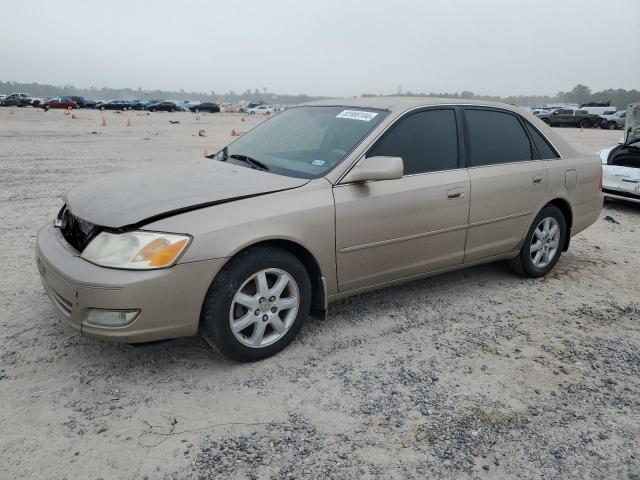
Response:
column 335, row 48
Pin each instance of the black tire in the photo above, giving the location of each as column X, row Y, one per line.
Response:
column 102, row 109
column 612, row 126
column 172, row 110
column 196, row 110
column 584, row 124
column 215, row 327
column 523, row 264
column 153, row 110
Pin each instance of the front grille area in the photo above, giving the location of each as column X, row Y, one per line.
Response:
column 76, row 232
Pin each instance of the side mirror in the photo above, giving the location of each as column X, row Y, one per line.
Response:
column 375, row 168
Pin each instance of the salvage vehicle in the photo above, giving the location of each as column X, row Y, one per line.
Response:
column 322, row 201
column 115, row 105
column 162, row 107
column 16, row 100
column 621, row 164
column 614, row 121
column 59, row 103
column 260, row 110
column 566, row 117
column 205, row 107
column 80, row 101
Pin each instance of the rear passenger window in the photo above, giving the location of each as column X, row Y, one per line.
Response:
column 544, row 149
column 496, row 137
column 427, row 142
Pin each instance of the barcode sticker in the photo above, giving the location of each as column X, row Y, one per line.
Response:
column 357, row 115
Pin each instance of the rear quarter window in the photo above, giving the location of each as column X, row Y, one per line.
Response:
column 545, row 150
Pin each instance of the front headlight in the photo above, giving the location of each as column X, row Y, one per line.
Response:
column 135, row 250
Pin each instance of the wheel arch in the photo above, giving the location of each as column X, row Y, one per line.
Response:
column 565, row 208
column 308, row 260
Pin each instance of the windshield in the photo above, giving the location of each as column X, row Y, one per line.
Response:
column 304, row 142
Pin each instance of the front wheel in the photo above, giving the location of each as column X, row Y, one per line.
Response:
column 543, row 244
column 256, row 305
column 612, row 126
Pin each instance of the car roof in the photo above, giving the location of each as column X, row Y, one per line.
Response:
column 402, row 104
column 399, row 105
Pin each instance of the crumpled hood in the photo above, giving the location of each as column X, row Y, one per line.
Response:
column 632, row 124
column 135, row 197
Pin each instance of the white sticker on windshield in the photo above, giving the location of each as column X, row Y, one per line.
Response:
column 356, row 115
column 318, row 163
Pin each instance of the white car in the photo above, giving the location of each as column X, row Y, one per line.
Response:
column 621, row 164
column 260, row 109
column 614, row 121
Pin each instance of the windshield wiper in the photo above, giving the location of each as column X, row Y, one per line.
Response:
column 257, row 164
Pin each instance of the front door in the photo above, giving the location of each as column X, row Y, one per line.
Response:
column 393, row 229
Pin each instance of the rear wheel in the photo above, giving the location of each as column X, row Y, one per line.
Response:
column 612, row 126
column 257, row 304
column 543, row 244
column 102, row 108
column 197, row 110
column 585, row 124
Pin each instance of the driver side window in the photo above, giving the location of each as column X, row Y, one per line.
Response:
column 426, row 141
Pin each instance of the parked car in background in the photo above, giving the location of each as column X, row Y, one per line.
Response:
column 80, row 101
column 319, row 203
column 566, row 117
column 205, row 107
column 621, row 164
column 59, row 102
column 163, row 106
column 245, row 108
column 17, row 100
column 38, row 101
column 614, row 121
column 115, row 105
column 260, row 110
column 142, row 104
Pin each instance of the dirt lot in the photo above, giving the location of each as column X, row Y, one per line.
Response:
column 474, row 374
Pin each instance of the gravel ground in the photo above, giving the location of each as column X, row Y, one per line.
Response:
column 473, row 374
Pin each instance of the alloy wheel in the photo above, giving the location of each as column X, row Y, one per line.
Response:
column 545, row 242
column 264, row 308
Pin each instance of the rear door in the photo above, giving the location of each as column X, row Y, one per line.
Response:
column 393, row 229
column 508, row 181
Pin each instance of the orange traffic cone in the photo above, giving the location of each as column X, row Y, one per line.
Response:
column 12, row 111
column 74, row 116
column 234, row 133
column 104, row 122
column 128, row 121
column 581, row 129
column 66, row 112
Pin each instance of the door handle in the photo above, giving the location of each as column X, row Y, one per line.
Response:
column 538, row 179
column 455, row 193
